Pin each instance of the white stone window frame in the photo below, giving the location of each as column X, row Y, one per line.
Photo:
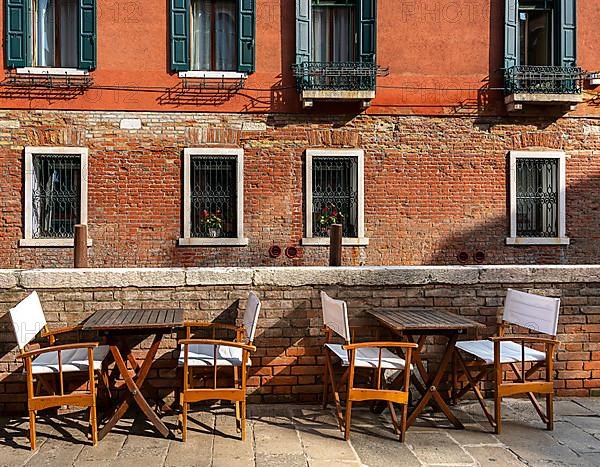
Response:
column 309, row 240
column 30, row 153
column 562, row 238
column 187, row 239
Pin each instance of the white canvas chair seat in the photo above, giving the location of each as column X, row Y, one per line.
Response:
column 369, row 357
column 72, row 360
column 510, row 352
column 203, row 355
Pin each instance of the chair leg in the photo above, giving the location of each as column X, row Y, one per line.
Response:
column 32, row 429
column 325, row 387
column 243, row 419
column 497, row 412
column 348, row 418
column 184, row 406
column 550, row 411
column 94, row 425
column 403, row 419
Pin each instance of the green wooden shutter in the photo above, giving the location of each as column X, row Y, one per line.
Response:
column 17, row 33
column 87, row 34
column 568, row 32
column 511, row 33
column 303, row 30
column 246, row 28
column 180, row 35
column 367, row 30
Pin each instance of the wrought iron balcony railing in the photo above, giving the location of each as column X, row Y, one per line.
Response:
column 330, row 76
column 543, row 80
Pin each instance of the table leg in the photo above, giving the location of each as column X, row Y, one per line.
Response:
column 134, row 390
column 418, row 362
column 432, row 390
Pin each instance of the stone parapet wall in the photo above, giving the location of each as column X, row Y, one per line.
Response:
column 287, row 365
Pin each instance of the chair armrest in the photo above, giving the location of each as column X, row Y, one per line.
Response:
column 64, row 330
column 360, row 345
column 538, row 340
column 249, row 348
column 208, row 324
column 57, row 348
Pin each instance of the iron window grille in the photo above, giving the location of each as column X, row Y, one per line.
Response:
column 543, row 80
column 537, row 197
column 335, row 194
column 56, row 195
column 213, row 194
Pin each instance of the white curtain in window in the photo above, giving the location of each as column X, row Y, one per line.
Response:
column 225, row 53
column 45, row 33
column 67, row 13
column 201, row 37
column 333, row 34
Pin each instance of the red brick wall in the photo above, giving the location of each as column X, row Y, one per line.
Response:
column 433, row 186
column 287, row 364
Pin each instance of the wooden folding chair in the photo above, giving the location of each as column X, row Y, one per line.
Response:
column 373, row 356
column 28, row 321
column 535, row 313
column 215, row 353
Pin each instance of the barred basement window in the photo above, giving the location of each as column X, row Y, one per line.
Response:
column 55, row 195
column 334, row 195
column 213, row 197
column 537, row 197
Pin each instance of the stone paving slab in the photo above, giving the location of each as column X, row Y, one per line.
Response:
column 307, row 436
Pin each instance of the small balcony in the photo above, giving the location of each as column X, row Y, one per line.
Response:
column 543, row 85
column 343, row 81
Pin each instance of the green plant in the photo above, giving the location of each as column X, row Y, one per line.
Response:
column 330, row 215
column 210, row 220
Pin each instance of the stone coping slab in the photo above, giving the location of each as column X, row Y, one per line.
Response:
column 294, row 276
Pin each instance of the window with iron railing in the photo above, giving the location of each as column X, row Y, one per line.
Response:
column 56, row 195
column 213, row 197
column 537, row 184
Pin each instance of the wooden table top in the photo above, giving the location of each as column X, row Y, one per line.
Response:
column 400, row 320
column 131, row 320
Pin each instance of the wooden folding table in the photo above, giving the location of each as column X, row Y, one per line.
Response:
column 424, row 323
column 116, row 326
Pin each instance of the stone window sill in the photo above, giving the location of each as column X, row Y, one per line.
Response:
column 324, row 241
column 49, row 242
column 524, row 241
column 212, row 75
column 218, row 242
column 51, row 71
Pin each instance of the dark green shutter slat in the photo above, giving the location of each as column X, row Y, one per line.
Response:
column 87, row 34
column 17, row 33
column 303, row 30
column 367, row 30
column 246, row 25
column 180, row 35
column 568, row 32
column 511, row 33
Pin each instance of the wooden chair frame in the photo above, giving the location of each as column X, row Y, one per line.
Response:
column 504, row 389
column 235, row 393
column 361, row 394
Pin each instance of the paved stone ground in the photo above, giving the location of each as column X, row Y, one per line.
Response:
column 293, row 436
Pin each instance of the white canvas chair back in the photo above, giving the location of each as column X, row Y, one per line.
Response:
column 28, row 319
column 335, row 316
column 532, row 311
column 251, row 315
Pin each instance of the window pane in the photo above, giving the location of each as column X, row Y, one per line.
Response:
column 333, row 34
column 44, row 32
column 214, row 35
column 56, row 33
column 225, row 53
column 213, row 196
column 67, row 20
column 201, row 35
column 56, row 195
column 335, row 194
column 535, row 37
column 537, row 197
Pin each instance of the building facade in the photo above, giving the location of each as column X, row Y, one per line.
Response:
column 234, row 132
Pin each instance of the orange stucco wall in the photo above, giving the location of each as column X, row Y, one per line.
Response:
column 443, row 57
